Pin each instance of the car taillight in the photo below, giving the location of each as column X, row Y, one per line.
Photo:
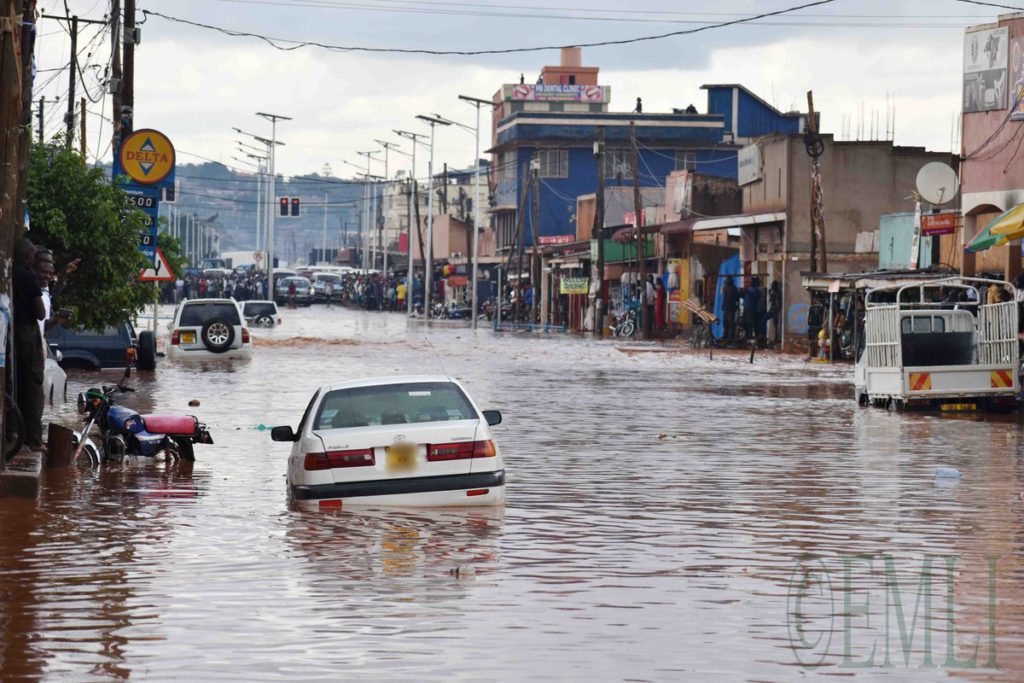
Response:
column 335, row 459
column 460, row 451
column 245, row 335
column 176, row 338
column 130, row 355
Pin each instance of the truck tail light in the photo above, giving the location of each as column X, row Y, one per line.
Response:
column 130, row 355
column 337, row 459
column 175, row 337
column 245, row 335
column 460, row 451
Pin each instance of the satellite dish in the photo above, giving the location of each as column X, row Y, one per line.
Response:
column 937, row 183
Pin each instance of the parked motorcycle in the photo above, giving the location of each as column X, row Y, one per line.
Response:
column 124, row 432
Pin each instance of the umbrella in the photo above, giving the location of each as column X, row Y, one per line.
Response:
column 987, row 237
column 1010, row 225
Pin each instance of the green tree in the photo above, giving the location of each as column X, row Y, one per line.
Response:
column 78, row 213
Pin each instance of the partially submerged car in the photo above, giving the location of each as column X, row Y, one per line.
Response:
column 205, row 329
column 112, row 347
column 404, row 441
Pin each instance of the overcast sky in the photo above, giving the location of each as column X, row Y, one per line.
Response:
column 195, row 84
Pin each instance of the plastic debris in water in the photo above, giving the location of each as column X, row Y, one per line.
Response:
column 262, row 427
column 947, row 472
column 194, row 402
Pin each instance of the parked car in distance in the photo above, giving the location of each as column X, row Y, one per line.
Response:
column 320, row 281
column 404, row 441
column 55, row 380
column 209, row 329
column 261, row 313
column 303, row 290
column 112, row 347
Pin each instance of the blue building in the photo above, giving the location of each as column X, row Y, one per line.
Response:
column 556, row 124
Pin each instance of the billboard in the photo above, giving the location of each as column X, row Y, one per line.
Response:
column 1017, row 78
column 596, row 94
column 985, row 78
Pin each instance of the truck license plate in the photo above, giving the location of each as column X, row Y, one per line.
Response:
column 958, row 407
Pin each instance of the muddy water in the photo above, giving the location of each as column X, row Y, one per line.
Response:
column 669, row 517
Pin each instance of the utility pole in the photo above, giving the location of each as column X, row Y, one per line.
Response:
column 598, row 233
column 428, row 279
column 414, row 197
column 39, row 114
column 815, row 147
column 81, row 142
column 641, row 245
column 535, row 273
column 385, row 201
column 72, row 77
column 116, row 77
column 323, row 237
column 520, row 241
column 128, row 93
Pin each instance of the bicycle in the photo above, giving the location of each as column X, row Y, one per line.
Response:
column 700, row 335
column 14, row 428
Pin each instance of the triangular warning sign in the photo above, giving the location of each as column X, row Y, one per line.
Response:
column 160, row 272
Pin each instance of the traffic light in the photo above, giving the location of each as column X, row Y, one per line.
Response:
column 295, row 206
column 284, row 206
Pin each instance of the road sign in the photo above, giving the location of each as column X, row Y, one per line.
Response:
column 147, row 157
column 160, row 272
column 257, row 256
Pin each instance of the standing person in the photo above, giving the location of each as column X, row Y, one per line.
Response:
column 659, row 305
column 293, row 292
column 28, row 310
column 400, row 292
column 647, row 296
column 730, row 304
column 752, row 308
column 328, row 292
column 775, row 310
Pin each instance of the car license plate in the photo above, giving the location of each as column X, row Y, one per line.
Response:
column 188, row 337
column 401, row 458
column 958, row 407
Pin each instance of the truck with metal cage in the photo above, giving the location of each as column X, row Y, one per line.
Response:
column 938, row 344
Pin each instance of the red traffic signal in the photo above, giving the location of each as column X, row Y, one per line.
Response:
column 284, row 206
column 295, row 206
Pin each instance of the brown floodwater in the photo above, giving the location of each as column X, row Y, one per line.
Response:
column 668, row 517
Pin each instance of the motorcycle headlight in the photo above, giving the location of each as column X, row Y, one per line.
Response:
column 83, row 403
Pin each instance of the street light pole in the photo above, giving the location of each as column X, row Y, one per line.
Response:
column 409, row 205
column 273, row 118
column 369, row 219
column 474, row 305
column 429, row 266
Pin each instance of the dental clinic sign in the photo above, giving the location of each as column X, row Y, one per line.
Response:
column 146, row 158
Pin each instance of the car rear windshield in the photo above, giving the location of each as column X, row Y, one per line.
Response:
column 198, row 314
column 260, row 309
column 393, row 404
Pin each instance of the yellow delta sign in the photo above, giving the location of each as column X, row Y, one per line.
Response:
column 147, row 156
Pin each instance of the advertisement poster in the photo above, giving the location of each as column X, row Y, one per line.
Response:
column 678, row 286
column 985, row 61
column 1017, row 78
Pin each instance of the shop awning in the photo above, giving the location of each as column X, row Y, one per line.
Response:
column 628, row 233
column 1009, row 226
column 738, row 220
column 679, row 227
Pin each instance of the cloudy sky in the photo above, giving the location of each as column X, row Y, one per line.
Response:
column 860, row 57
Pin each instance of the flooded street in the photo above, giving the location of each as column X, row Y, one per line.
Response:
column 668, row 517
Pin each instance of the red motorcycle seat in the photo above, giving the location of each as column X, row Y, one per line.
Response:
column 174, row 425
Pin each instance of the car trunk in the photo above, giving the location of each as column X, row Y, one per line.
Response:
column 401, row 451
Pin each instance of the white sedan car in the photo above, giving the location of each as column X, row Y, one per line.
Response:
column 410, row 441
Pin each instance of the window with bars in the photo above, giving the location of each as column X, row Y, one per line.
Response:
column 554, row 163
column 617, row 163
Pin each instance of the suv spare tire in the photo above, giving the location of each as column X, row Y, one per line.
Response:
column 147, row 351
column 218, row 335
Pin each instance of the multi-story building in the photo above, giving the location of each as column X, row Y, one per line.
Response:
column 554, row 123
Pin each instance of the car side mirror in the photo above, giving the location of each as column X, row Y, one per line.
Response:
column 493, row 417
column 282, row 434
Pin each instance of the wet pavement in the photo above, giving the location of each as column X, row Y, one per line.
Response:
column 668, row 517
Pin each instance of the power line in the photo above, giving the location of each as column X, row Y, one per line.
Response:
column 991, row 4
column 295, row 45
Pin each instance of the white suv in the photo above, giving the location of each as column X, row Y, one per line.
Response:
column 209, row 328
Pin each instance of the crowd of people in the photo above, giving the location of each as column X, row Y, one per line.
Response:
column 748, row 311
column 37, row 286
column 241, row 286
